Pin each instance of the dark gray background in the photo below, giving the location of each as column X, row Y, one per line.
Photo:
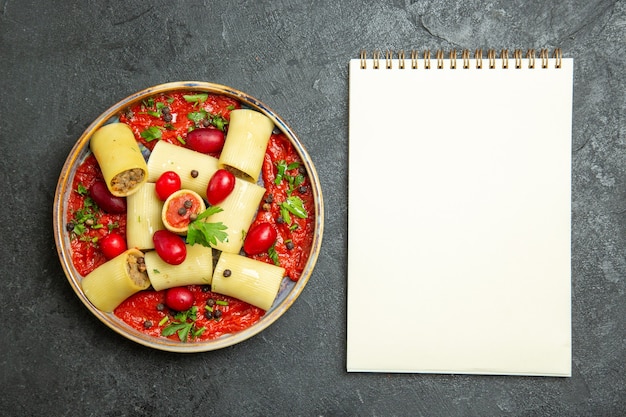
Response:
column 63, row 63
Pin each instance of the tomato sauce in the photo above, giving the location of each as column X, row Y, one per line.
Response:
column 300, row 231
column 171, row 120
column 86, row 255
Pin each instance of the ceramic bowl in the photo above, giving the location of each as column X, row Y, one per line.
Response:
column 289, row 290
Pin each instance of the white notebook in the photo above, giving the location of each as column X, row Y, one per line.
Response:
column 459, row 214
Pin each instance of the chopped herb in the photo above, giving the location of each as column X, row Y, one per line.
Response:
column 221, row 302
column 151, row 133
column 149, row 102
column 81, row 189
column 197, row 116
column 184, row 325
column 292, row 205
column 219, row 122
column 281, row 167
column 156, row 271
column 273, row 255
column 112, row 226
column 180, row 139
column 196, row 98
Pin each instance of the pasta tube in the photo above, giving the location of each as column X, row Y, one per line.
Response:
column 116, row 280
column 246, row 142
column 167, row 157
column 238, row 212
column 197, row 268
column 143, row 217
column 120, row 159
column 249, row 280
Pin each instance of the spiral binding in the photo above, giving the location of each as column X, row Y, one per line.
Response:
column 518, row 56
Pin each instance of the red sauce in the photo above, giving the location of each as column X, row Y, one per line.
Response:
column 141, row 311
column 176, row 129
column 301, row 235
column 143, row 307
column 86, row 255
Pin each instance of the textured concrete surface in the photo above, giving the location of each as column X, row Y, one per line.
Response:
column 63, row 63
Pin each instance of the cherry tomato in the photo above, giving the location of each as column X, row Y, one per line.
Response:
column 112, row 245
column 206, row 140
column 179, row 298
column 220, row 186
column 259, row 239
column 167, row 184
column 169, row 246
column 105, row 200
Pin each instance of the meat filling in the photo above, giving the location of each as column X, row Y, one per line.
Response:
column 127, row 180
column 137, row 270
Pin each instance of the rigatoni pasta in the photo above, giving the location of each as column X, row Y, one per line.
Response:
column 249, row 280
column 197, row 268
column 246, row 143
column 143, row 217
column 120, row 159
column 238, row 212
column 195, row 169
column 116, row 280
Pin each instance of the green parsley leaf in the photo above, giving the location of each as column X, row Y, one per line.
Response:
column 81, row 189
column 219, row 122
column 295, row 206
column 197, row 116
column 273, row 255
column 205, row 233
column 196, row 98
column 281, row 167
column 151, row 133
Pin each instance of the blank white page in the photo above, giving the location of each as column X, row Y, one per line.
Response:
column 459, row 219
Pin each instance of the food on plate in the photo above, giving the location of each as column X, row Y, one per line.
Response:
column 252, row 281
column 195, row 169
column 167, row 184
column 101, row 195
column 112, row 245
column 181, row 208
column 179, row 299
column 169, row 246
column 260, row 238
column 120, row 158
column 221, row 185
column 206, row 140
column 246, row 142
column 196, row 269
column 202, row 254
column 237, row 212
column 116, row 280
column 143, row 217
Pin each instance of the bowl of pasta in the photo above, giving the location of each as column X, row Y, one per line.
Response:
column 188, row 217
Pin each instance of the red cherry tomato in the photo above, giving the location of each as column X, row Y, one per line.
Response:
column 220, row 186
column 179, row 298
column 169, row 246
column 206, row 140
column 259, row 239
column 112, row 245
column 105, row 200
column 167, row 184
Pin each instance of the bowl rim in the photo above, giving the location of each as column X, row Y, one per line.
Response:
column 109, row 319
